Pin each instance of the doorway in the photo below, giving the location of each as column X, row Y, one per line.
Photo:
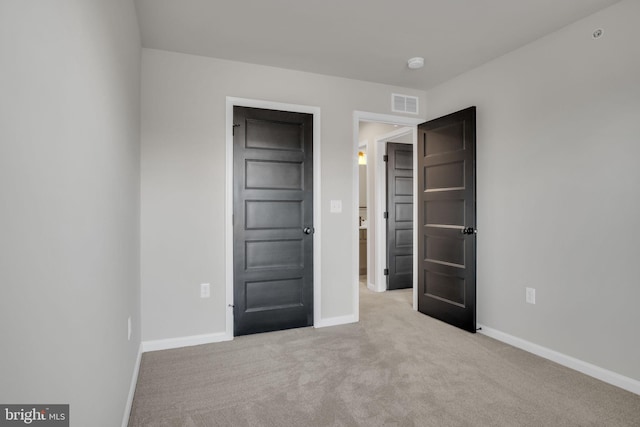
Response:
column 273, row 220
column 440, row 141
column 231, row 260
column 363, row 218
column 389, row 128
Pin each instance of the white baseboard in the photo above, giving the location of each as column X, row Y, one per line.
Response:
column 179, row 342
column 374, row 288
column 335, row 321
column 132, row 388
column 594, row 371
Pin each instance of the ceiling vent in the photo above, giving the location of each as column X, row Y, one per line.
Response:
column 404, row 103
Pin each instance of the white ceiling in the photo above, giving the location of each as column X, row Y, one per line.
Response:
column 360, row 39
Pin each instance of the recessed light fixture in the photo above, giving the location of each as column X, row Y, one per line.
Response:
column 597, row 33
column 415, row 63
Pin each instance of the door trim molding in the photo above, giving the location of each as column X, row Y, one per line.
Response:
column 317, row 265
column 365, row 116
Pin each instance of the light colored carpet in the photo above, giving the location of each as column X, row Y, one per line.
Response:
column 396, row 367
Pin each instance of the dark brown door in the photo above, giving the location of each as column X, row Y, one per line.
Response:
column 273, row 220
column 447, row 219
column 399, row 215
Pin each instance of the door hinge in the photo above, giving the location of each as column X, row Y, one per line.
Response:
column 386, row 271
column 385, row 215
column 385, row 158
column 233, row 129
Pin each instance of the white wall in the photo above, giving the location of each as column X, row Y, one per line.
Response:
column 69, row 205
column 183, row 181
column 558, row 188
column 362, row 188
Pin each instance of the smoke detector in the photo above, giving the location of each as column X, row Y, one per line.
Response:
column 415, row 63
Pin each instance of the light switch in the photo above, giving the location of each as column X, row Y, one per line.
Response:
column 336, row 206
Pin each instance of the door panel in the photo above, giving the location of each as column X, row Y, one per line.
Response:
column 400, row 215
column 273, row 203
column 444, row 250
column 273, row 253
column 444, row 177
column 266, row 214
column 447, row 219
column 265, row 174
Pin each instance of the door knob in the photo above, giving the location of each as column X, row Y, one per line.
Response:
column 308, row 230
column 469, row 230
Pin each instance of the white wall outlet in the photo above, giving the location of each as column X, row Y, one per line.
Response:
column 129, row 329
column 531, row 295
column 205, row 290
column 336, row 206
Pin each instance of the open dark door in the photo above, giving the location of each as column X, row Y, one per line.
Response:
column 273, row 220
column 399, row 162
column 447, row 219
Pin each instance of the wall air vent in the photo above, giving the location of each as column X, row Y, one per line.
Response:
column 404, row 103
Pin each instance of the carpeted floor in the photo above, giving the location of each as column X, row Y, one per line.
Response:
column 396, row 367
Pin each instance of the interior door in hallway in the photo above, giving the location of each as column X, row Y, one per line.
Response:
column 399, row 215
column 447, row 219
column 273, row 220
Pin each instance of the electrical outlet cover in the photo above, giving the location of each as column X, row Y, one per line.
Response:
column 531, row 295
column 205, row 290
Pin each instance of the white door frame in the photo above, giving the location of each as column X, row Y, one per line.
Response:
column 317, row 264
column 359, row 116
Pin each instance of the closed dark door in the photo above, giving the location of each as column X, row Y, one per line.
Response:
column 273, row 220
column 399, row 215
column 447, row 219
